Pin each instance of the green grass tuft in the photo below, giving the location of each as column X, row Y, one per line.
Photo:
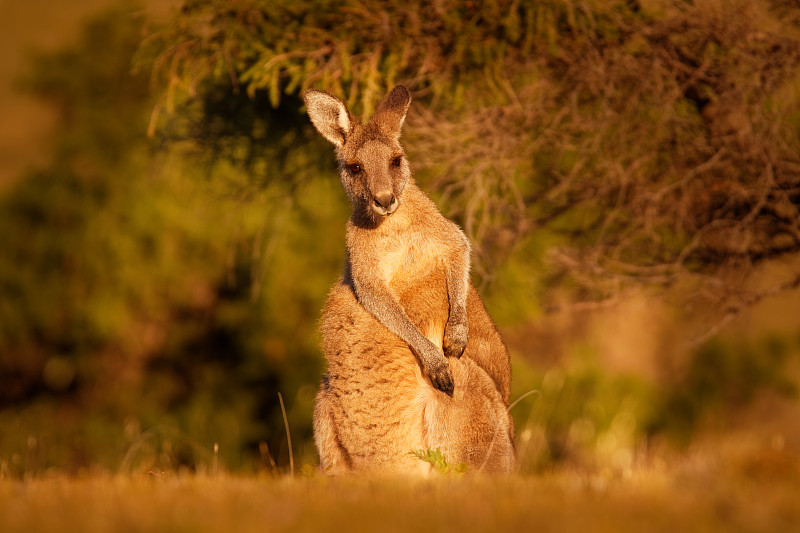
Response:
column 439, row 461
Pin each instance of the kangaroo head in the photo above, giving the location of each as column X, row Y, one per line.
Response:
column 372, row 163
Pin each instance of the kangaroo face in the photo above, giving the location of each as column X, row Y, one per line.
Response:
column 372, row 163
column 374, row 172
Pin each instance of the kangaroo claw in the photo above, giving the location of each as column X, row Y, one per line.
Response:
column 443, row 380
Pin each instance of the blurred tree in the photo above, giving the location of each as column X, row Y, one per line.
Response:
column 135, row 292
column 609, row 144
column 587, row 148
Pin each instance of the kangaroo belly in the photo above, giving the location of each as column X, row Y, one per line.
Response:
column 427, row 305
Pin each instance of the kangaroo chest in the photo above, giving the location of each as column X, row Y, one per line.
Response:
column 409, row 261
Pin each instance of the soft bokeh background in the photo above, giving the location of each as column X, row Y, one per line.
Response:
column 170, row 223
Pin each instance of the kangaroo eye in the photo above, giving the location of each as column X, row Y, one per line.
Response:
column 396, row 161
column 355, row 168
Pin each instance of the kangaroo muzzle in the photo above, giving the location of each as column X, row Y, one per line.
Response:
column 385, row 203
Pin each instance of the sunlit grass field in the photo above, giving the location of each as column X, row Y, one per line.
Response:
column 755, row 491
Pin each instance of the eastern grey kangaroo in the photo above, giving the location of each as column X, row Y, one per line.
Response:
column 414, row 360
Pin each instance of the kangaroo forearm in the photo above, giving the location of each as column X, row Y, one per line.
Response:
column 458, row 284
column 456, row 331
column 389, row 313
column 433, row 361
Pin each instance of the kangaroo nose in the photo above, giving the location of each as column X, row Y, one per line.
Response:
column 385, row 200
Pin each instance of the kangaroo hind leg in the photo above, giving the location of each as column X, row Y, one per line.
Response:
column 333, row 457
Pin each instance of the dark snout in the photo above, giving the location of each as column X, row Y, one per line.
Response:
column 385, row 203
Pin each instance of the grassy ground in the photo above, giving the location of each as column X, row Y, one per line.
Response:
column 759, row 492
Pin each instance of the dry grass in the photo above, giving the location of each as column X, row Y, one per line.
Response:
column 750, row 492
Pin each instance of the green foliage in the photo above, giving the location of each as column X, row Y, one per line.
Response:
column 439, row 462
column 589, row 416
column 722, row 378
column 584, row 415
column 144, row 288
column 358, row 49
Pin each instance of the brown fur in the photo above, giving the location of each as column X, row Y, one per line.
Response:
column 414, row 361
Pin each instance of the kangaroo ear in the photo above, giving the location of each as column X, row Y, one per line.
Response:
column 329, row 115
column 392, row 111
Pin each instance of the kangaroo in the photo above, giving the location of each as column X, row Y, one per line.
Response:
column 414, row 360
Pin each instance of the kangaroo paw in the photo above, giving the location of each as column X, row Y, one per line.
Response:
column 442, row 379
column 455, row 339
